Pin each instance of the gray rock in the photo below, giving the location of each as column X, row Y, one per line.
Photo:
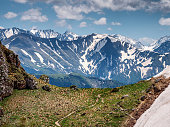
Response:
column 46, row 88
column 31, row 83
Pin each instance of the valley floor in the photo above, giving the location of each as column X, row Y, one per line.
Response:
column 66, row 107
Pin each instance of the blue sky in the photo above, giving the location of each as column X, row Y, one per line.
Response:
column 144, row 20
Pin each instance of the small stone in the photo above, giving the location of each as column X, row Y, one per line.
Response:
column 1, row 112
column 83, row 114
column 46, row 88
column 125, row 96
column 157, row 88
column 74, row 87
column 142, row 98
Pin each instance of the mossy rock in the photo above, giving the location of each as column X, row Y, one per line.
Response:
column 44, row 78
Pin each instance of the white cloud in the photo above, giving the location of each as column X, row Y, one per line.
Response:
column 61, row 23
column 34, row 15
column 146, row 41
column 101, row 21
column 164, row 21
column 1, row 27
column 10, row 15
column 74, row 12
column 98, row 5
column 162, row 5
column 21, row 1
column 68, row 12
column 83, row 24
column 110, row 29
column 116, row 23
column 117, row 5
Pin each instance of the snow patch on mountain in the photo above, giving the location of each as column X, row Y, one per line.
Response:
column 129, row 55
column 26, row 53
column 40, row 57
column 44, row 33
column 147, row 62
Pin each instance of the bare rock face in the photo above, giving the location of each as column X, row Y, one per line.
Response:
column 31, row 83
column 12, row 75
column 6, row 86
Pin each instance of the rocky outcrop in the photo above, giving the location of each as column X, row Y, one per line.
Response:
column 31, row 83
column 45, row 78
column 12, row 75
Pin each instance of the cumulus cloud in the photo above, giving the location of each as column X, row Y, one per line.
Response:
column 61, row 23
column 162, row 5
column 83, row 24
column 101, row 21
column 116, row 23
column 21, row 1
column 68, row 12
column 115, row 5
column 34, row 15
column 164, row 21
column 72, row 12
column 146, row 41
column 110, row 29
column 10, row 15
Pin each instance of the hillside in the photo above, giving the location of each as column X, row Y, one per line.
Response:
column 27, row 101
column 12, row 75
column 63, row 80
column 68, row 107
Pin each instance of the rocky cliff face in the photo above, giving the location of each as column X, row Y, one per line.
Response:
column 12, row 75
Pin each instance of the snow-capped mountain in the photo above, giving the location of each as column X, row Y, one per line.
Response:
column 67, row 36
column 162, row 45
column 7, row 33
column 100, row 55
column 45, row 33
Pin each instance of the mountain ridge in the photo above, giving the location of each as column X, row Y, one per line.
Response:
column 100, row 55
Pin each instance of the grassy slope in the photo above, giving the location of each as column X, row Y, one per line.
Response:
column 91, row 106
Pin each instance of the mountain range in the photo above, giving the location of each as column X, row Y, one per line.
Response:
column 112, row 57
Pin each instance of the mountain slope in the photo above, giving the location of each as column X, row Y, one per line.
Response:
column 80, row 81
column 100, row 55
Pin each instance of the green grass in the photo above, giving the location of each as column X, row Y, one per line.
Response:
column 38, row 108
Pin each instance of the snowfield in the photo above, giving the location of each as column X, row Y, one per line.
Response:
column 158, row 115
column 165, row 72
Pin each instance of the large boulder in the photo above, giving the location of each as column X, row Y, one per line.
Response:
column 31, row 83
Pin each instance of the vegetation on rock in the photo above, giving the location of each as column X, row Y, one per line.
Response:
column 12, row 75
